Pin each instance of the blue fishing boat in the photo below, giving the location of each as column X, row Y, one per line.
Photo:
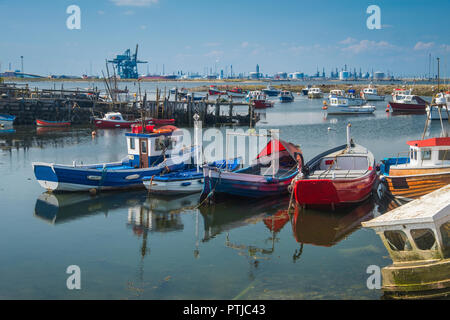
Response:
column 286, row 96
column 269, row 175
column 150, row 152
column 7, row 120
column 185, row 181
column 271, row 91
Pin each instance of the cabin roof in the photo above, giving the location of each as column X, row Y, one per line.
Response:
column 432, row 142
column 429, row 208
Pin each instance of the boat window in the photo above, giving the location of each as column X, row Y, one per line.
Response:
column 426, row 154
column 132, row 145
column 163, row 143
column 397, row 240
column 445, row 232
column 444, row 154
column 415, row 154
column 424, row 239
column 144, row 146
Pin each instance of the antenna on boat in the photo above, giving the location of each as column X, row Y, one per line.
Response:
column 349, row 138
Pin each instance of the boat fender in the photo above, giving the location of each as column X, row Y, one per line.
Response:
column 185, row 184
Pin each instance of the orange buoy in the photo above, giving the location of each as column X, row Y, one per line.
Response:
column 324, row 108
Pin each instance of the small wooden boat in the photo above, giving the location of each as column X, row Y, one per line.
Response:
column 341, row 176
column 426, row 169
column 113, row 120
column 286, row 96
column 259, row 180
column 45, row 123
column 6, row 120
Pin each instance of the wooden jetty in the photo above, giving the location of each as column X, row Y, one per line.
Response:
column 417, row 237
column 81, row 106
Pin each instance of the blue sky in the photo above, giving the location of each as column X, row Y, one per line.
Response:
column 193, row 35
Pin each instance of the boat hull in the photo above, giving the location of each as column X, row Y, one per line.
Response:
column 261, row 104
column 7, row 120
column 407, row 107
column 43, row 123
column 414, row 183
column 244, row 185
column 110, row 124
column 181, row 186
column 372, row 97
column 286, row 99
column 325, row 192
column 346, row 110
column 315, row 95
column 433, row 113
column 271, row 93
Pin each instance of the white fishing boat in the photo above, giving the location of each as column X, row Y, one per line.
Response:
column 371, row 94
column 352, row 100
column 339, row 105
column 315, row 93
column 442, row 102
column 6, row 120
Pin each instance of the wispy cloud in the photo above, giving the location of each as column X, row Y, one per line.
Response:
column 368, row 46
column 134, row 3
column 214, row 53
column 349, row 40
column 128, row 12
column 423, row 45
column 244, row 44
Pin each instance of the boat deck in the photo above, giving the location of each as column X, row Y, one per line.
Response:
column 336, row 174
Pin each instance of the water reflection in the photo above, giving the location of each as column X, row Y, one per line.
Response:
column 328, row 228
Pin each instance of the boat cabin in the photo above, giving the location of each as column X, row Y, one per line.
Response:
column 314, row 90
column 370, row 90
column 336, row 92
column 433, row 152
column 117, row 116
column 417, row 231
column 152, row 146
column 338, row 101
column 443, row 98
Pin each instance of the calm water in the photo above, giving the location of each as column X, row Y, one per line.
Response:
column 130, row 246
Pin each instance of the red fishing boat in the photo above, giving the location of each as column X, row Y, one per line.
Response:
column 340, row 176
column 236, row 92
column 214, row 91
column 45, row 123
column 259, row 100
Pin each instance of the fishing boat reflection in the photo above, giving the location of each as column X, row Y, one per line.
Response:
column 328, row 228
column 62, row 208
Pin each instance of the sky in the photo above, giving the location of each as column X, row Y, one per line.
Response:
column 199, row 35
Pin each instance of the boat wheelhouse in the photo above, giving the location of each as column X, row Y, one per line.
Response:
column 286, row 96
column 315, row 93
column 371, row 94
column 340, row 105
column 417, row 237
column 426, row 168
column 150, row 152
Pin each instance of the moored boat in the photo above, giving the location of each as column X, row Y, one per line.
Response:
column 286, row 96
column 7, row 120
column 425, row 169
column 45, row 123
column 270, row 174
column 315, row 93
column 339, row 105
column 270, row 91
column 113, row 120
column 149, row 153
column 340, row 176
column 236, row 92
column 407, row 103
column 439, row 110
column 371, row 94
column 416, row 236
column 259, row 100
column 214, row 91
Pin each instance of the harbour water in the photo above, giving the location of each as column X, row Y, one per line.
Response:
column 129, row 245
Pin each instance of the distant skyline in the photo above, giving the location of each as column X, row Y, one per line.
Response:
column 200, row 35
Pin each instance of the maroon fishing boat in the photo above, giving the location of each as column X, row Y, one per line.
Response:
column 407, row 103
column 113, row 120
